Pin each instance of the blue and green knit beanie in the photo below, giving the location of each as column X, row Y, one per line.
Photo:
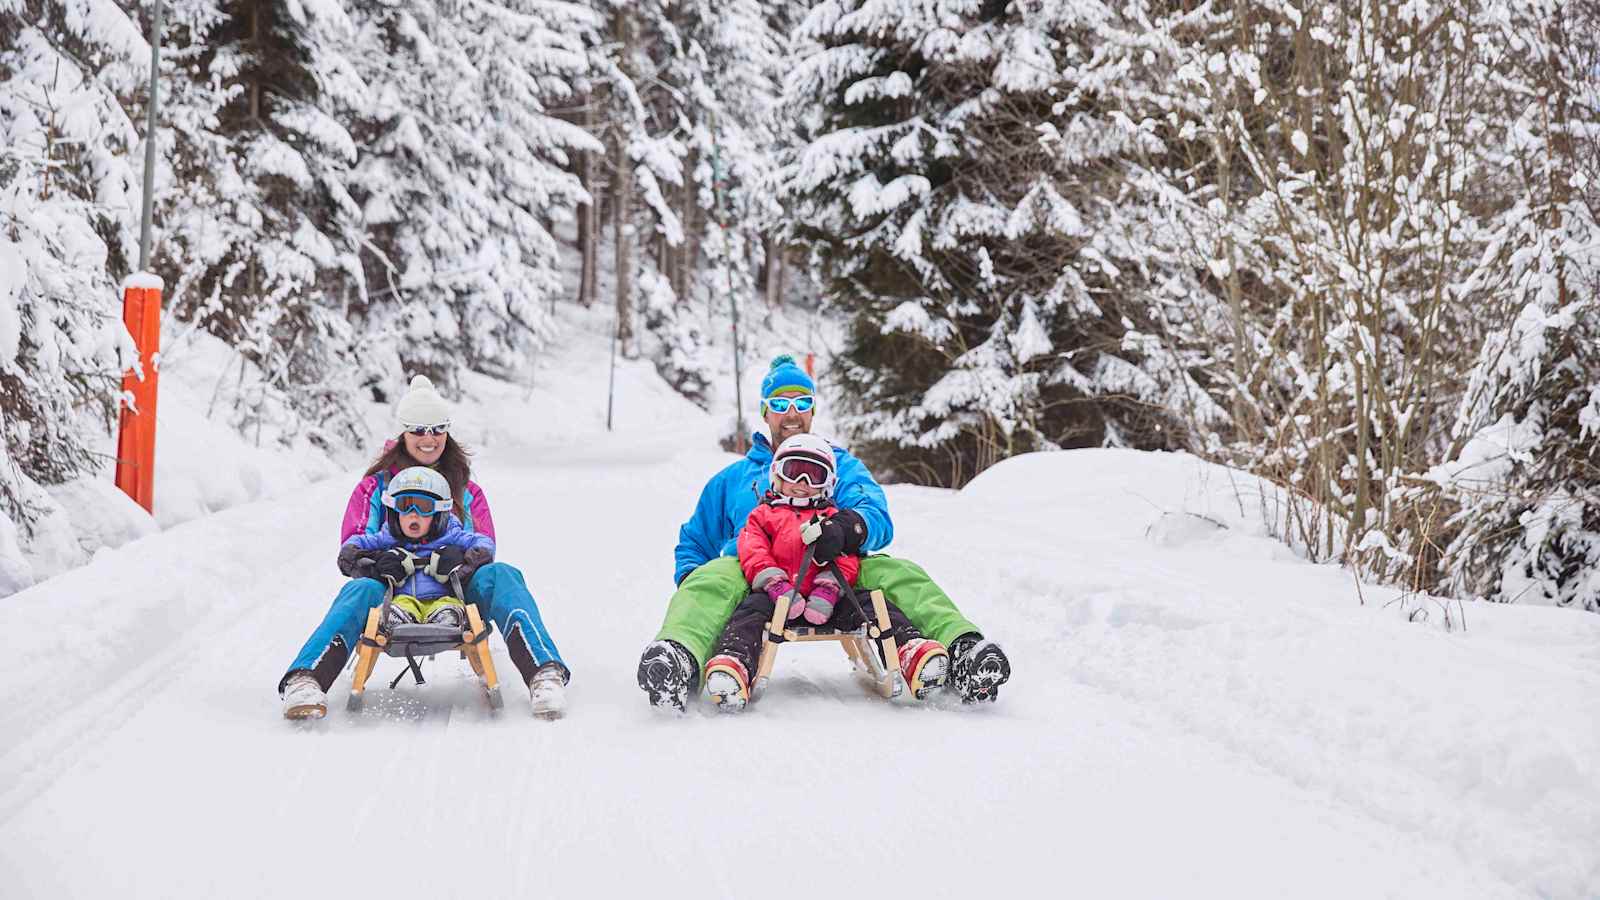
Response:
column 785, row 375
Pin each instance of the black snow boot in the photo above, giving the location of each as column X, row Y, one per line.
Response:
column 978, row 668
column 667, row 673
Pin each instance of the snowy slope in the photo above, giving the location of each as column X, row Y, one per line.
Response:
column 1195, row 712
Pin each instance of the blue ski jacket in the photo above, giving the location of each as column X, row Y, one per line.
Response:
column 731, row 494
column 422, row 585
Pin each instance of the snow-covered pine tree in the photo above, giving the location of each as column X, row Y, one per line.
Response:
column 260, row 237
column 461, row 165
column 68, row 228
column 684, row 96
column 1526, row 475
column 957, row 181
column 725, row 68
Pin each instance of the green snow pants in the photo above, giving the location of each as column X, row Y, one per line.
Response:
column 706, row 599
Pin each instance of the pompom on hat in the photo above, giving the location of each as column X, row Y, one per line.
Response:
column 786, row 375
column 422, row 405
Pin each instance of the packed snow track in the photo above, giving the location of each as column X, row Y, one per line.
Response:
column 1194, row 711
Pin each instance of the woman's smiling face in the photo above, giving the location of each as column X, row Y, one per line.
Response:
column 424, row 448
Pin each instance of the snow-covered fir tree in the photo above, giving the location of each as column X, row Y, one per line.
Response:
column 958, row 183
column 1526, row 479
column 68, row 232
column 260, row 236
column 689, row 99
column 461, row 167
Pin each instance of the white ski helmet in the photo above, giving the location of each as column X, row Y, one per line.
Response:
column 431, row 493
column 808, row 458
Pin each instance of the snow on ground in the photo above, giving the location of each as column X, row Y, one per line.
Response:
column 1195, row 712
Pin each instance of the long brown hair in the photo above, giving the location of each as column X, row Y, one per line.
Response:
column 455, row 464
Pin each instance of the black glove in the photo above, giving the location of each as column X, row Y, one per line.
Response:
column 841, row 534
column 350, row 558
column 389, row 565
column 445, row 560
column 476, row 558
column 855, row 530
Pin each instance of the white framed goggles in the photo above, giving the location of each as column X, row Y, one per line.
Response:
column 796, row 469
column 780, row 405
column 430, row 430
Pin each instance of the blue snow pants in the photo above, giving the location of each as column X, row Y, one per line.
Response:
column 497, row 588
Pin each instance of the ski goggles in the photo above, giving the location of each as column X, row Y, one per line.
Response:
column 795, row 469
column 781, row 405
column 422, row 504
column 420, row 430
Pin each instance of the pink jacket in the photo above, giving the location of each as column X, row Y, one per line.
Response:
column 364, row 513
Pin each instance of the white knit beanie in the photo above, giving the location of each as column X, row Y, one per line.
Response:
column 422, row 405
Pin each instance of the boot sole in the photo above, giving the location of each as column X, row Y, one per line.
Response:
column 726, row 692
column 935, row 672
column 306, row 711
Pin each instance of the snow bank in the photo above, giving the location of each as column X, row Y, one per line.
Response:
column 1149, row 577
column 203, row 465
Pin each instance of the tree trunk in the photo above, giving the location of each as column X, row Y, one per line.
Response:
column 774, row 272
column 255, row 82
column 622, row 241
column 588, row 218
column 681, row 274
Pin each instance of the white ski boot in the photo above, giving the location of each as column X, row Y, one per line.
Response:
column 303, row 698
column 548, row 691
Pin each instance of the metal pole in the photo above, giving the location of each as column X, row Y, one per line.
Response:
column 611, row 386
column 150, row 142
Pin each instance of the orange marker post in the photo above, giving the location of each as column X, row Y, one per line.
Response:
column 811, row 359
column 136, row 434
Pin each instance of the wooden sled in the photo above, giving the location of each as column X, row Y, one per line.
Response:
column 883, row 672
column 409, row 642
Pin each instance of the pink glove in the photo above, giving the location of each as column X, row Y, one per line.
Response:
column 784, row 595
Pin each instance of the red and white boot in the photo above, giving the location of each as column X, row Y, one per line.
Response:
column 728, row 683
column 925, row 664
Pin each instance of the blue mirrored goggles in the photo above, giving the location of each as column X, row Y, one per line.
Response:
column 781, row 405
column 422, row 504
column 420, row 430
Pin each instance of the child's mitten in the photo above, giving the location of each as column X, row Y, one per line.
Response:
column 784, row 594
column 819, row 606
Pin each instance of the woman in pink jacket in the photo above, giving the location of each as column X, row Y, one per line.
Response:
column 772, row 550
column 497, row 588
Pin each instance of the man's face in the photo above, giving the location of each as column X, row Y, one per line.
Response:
column 789, row 423
column 415, row 525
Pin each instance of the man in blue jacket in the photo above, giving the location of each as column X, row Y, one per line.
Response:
column 710, row 583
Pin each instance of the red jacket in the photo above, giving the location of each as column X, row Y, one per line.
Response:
column 771, row 538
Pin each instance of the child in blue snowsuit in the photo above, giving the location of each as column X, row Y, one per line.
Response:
column 442, row 547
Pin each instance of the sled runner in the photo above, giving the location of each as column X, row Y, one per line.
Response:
column 881, row 671
column 411, row 641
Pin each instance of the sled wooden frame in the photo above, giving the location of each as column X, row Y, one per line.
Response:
column 884, row 674
column 473, row 647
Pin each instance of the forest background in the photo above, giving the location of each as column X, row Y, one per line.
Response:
column 1351, row 246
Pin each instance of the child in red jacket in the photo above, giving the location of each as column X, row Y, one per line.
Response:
column 772, row 547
